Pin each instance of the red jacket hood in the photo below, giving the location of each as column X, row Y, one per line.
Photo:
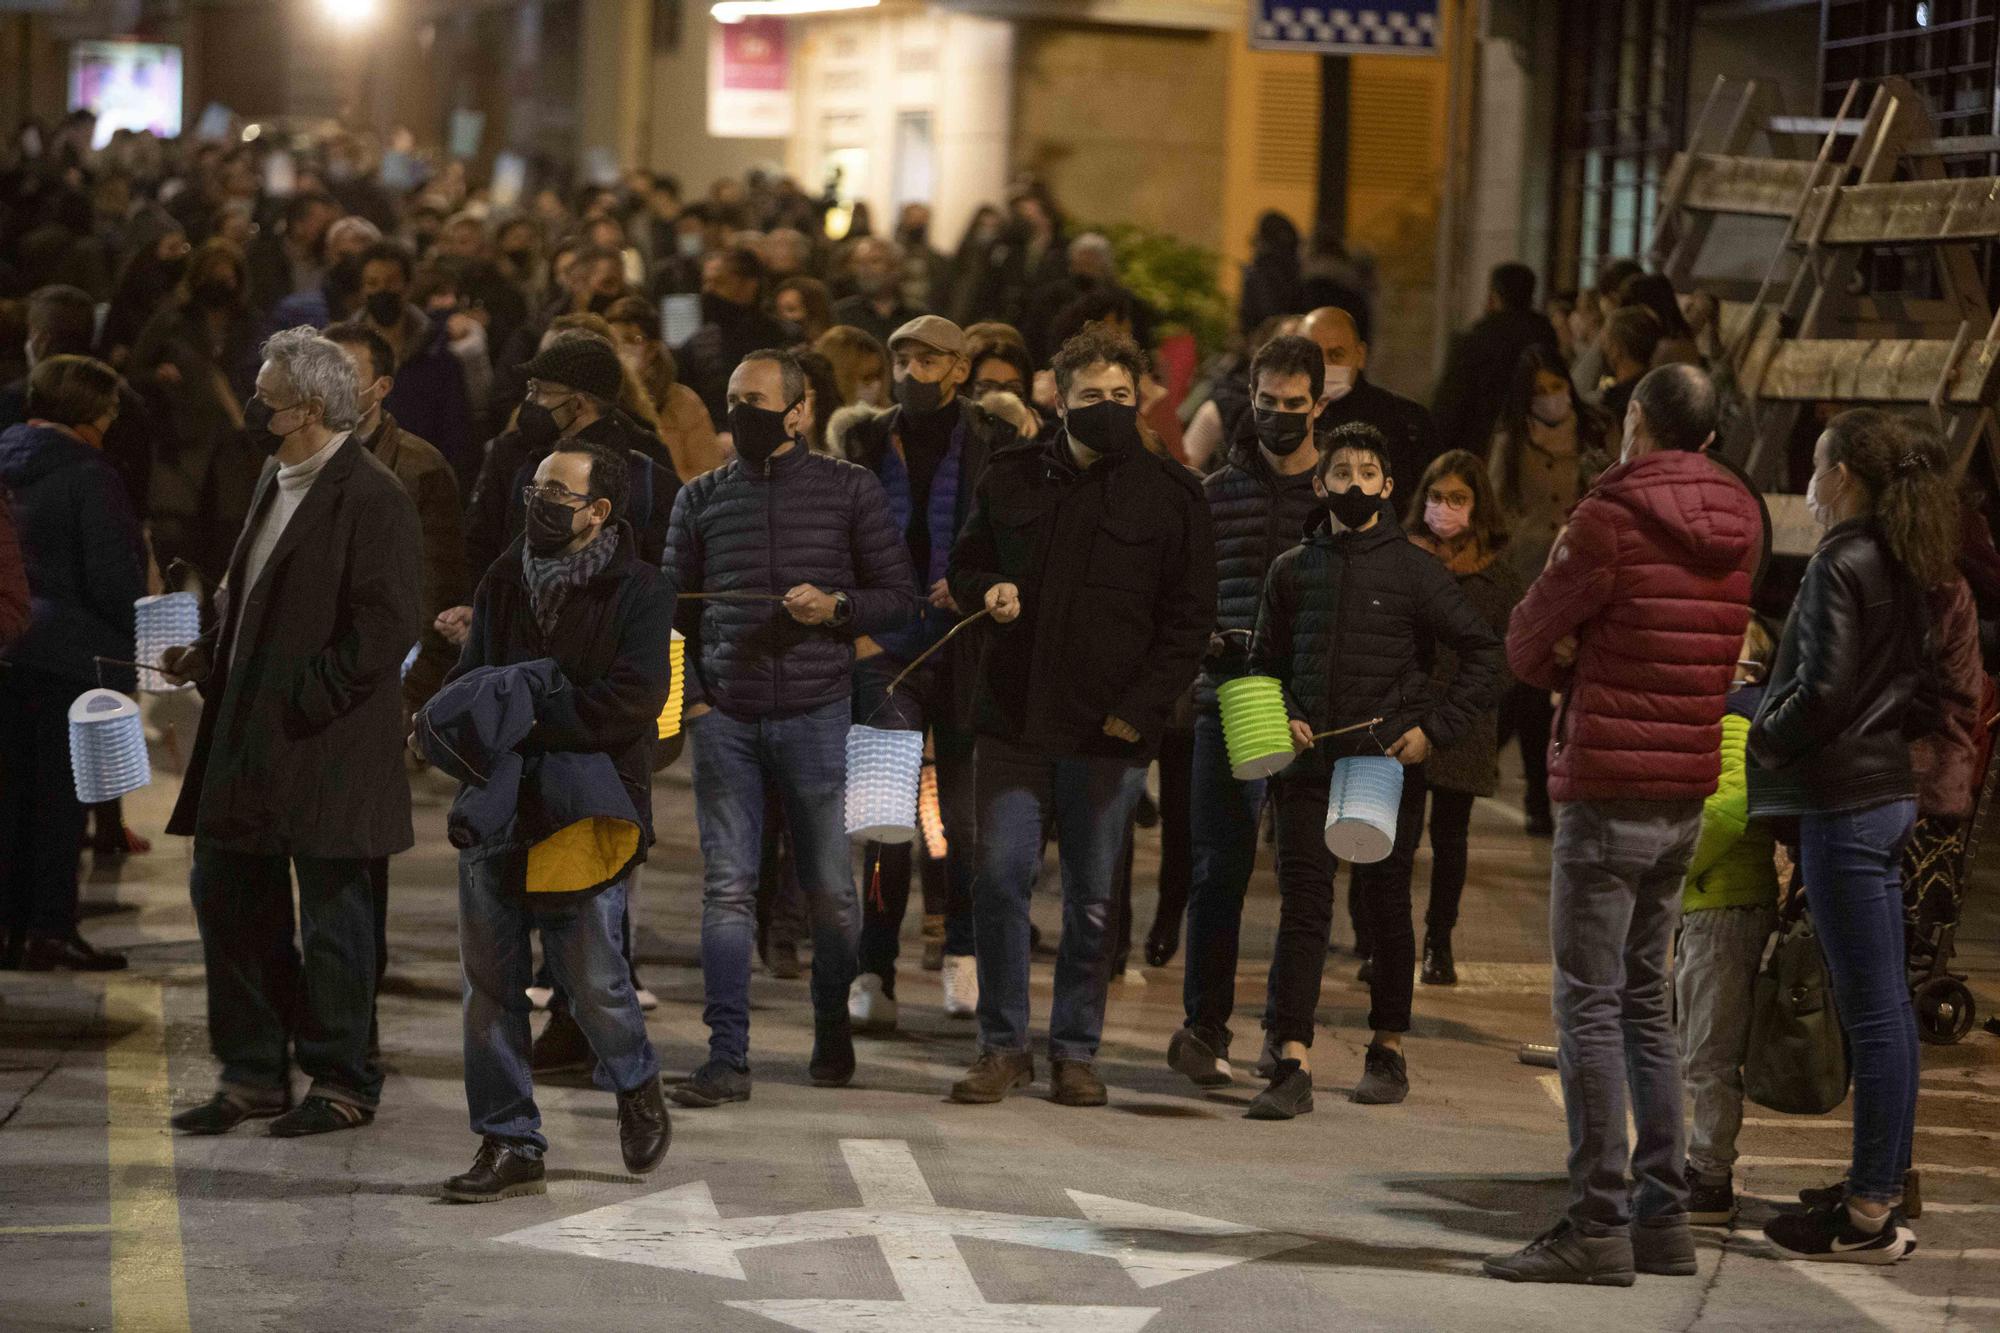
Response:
column 1687, row 502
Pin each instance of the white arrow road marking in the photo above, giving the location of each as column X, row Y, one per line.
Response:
column 681, row 1229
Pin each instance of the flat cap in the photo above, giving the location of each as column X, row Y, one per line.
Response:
column 932, row 331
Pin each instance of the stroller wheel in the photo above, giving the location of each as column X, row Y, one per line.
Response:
column 1944, row 1010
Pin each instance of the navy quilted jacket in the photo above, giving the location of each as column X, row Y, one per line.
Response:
column 806, row 518
column 1351, row 623
column 1258, row 516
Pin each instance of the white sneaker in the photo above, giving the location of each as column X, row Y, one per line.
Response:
column 538, row 997
column 648, row 1001
column 868, row 1007
column 1131, row 976
column 961, row 985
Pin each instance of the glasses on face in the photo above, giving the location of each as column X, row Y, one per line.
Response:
column 536, row 390
column 1450, row 501
column 554, row 492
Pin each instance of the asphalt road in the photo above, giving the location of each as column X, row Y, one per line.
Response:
column 883, row 1207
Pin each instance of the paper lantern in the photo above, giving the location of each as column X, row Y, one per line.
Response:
column 883, row 770
column 1255, row 727
column 1361, row 807
column 670, row 716
column 170, row 620
column 107, row 746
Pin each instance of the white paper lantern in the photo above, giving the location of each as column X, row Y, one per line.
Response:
column 884, row 769
column 1361, row 807
column 107, row 747
column 167, row 621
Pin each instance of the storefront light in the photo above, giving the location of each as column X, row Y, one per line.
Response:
column 735, row 11
column 350, row 13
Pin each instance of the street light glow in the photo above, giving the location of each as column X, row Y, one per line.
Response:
column 350, row 13
column 735, row 11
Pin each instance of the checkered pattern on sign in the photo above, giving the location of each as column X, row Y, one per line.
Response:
column 1336, row 25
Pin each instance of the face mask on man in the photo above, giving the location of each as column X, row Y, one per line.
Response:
column 1446, row 522
column 759, row 432
column 1109, row 429
column 214, row 293
column 921, row 397
column 1353, row 507
column 551, row 526
column 1281, row 432
column 1550, row 409
column 537, row 425
column 257, row 416
column 599, row 302
column 520, row 259
column 873, row 285
column 384, row 307
column 1339, row 383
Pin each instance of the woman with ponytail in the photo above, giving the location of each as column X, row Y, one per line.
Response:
column 1830, row 748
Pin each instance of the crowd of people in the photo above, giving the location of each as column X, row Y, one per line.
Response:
column 450, row 496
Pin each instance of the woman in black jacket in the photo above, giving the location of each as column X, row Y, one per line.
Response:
column 1830, row 748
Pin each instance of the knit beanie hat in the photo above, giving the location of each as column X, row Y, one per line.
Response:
column 580, row 361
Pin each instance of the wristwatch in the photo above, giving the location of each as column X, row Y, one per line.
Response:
column 843, row 609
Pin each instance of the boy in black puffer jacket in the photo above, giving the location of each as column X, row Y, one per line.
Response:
column 1350, row 622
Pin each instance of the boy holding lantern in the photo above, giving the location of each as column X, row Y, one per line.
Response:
column 1349, row 623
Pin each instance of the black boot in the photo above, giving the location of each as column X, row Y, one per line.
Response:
column 1439, row 970
column 832, row 1063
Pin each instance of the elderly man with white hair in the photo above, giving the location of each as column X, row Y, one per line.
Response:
column 297, row 764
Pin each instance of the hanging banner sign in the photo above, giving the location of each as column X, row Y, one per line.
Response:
column 1365, row 27
column 749, row 80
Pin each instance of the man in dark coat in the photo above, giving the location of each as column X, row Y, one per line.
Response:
column 798, row 558
column 430, row 396
column 299, row 755
column 574, row 588
column 733, row 326
column 1480, row 368
column 1260, row 502
column 929, row 452
column 1096, row 561
column 1351, row 396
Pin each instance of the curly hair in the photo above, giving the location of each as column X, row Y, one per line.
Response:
column 1097, row 346
column 1902, row 464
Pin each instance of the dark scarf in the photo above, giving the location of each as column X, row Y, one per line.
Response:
column 551, row 581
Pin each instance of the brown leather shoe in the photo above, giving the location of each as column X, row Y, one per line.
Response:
column 992, row 1076
column 1075, row 1083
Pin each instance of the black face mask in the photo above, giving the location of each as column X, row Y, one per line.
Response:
column 385, row 307
column 599, row 303
column 214, row 294
column 1282, row 432
column 1111, row 429
column 257, row 416
column 759, row 432
column 551, row 526
column 520, row 258
column 919, row 396
column 537, row 425
column 1353, row 506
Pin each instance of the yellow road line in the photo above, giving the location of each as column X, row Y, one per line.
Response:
column 58, row 1229
column 148, row 1279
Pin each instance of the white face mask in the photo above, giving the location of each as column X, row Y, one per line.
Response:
column 1816, row 505
column 1339, row 383
column 1550, row 409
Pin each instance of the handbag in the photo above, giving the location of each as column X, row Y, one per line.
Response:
column 1797, row 1062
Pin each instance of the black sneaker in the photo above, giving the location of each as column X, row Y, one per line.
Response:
column 1564, row 1254
column 832, row 1064
column 561, row 1047
column 1829, row 1235
column 500, row 1171
column 320, row 1115
column 1663, row 1246
column 1365, row 974
column 1439, row 969
column 226, row 1110
column 1205, row 1064
column 713, row 1084
column 1710, row 1205
column 1825, row 1196
column 1385, row 1077
column 1289, row 1096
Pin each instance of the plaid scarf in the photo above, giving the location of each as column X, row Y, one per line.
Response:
column 551, row 580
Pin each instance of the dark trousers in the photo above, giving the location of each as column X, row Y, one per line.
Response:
column 1222, row 834
column 1305, row 909
column 264, row 995
column 1451, row 825
column 1526, row 715
column 41, row 821
column 781, row 902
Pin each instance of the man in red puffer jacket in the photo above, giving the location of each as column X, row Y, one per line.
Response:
column 1638, row 620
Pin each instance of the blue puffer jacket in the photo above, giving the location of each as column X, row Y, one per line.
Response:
column 1258, row 516
column 80, row 543
column 805, row 518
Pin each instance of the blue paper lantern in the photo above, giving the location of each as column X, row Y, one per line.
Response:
column 884, row 772
column 107, row 747
column 170, row 620
column 1361, row 806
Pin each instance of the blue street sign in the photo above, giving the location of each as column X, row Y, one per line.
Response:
column 1359, row 27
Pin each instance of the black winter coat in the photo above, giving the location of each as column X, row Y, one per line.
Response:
column 612, row 640
column 1258, row 516
column 1413, row 444
column 1351, row 624
column 806, row 518
column 1853, row 684
column 1116, row 570
column 300, row 748
column 1478, row 372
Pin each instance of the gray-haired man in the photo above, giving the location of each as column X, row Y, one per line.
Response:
column 298, row 760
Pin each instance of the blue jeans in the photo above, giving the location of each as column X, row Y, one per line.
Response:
column 1090, row 803
column 1852, row 864
column 1613, row 905
column 580, row 943
column 806, row 757
column 1222, row 826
